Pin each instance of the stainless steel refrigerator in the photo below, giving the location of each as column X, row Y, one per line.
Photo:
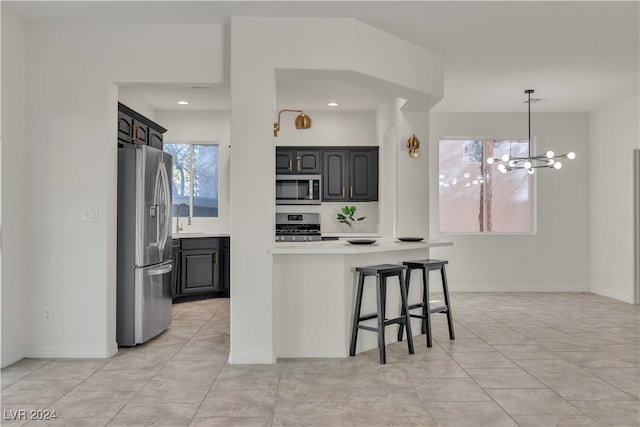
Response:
column 144, row 244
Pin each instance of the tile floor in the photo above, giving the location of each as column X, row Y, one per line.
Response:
column 527, row 359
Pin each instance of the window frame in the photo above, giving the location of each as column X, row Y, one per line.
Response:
column 191, row 163
column 533, row 189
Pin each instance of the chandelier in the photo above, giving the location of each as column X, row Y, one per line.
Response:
column 530, row 163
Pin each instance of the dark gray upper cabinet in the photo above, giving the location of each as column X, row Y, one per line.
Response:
column 363, row 175
column 155, row 139
column 284, row 161
column 125, row 127
column 334, row 175
column 133, row 127
column 293, row 161
column 350, row 175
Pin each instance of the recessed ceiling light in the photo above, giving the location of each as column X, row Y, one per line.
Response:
column 333, row 104
column 183, row 102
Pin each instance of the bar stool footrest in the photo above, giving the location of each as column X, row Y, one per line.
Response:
column 442, row 309
column 368, row 317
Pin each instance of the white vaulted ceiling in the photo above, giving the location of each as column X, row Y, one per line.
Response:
column 578, row 56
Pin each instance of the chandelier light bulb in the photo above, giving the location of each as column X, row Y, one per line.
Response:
column 571, row 155
column 467, row 175
column 490, row 161
column 551, row 162
column 557, row 165
column 527, row 165
column 503, row 170
column 501, row 167
column 550, row 154
column 531, row 171
column 505, row 157
column 512, row 163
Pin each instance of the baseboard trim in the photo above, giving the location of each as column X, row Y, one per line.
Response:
column 11, row 357
column 615, row 295
column 252, row 358
column 494, row 288
column 70, row 353
column 305, row 355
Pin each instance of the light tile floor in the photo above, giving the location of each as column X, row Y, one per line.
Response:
column 527, row 359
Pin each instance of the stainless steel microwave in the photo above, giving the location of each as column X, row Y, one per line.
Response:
column 298, row 189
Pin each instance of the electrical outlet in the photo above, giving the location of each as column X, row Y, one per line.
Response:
column 90, row 215
column 47, row 314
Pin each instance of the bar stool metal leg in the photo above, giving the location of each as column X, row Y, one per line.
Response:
column 445, row 289
column 426, row 308
column 356, row 315
column 405, row 310
column 380, row 293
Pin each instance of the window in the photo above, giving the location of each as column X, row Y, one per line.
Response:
column 195, row 178
column 476, row 197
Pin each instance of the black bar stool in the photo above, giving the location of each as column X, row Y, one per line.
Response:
column 427, row 265
column 382, row 272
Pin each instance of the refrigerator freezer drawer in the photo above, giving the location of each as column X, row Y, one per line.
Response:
column 152, row 301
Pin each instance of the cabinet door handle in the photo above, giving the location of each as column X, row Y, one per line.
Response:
column 134, row 137
column 350, row 191
column 290, row 165
column 215, row 258
column 298, row 165
column 343, row 191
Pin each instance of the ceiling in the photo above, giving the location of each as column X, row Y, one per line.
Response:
column 578, row 56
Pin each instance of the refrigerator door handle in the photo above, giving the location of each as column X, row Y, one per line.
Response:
column 160, row 270
column 167, row 199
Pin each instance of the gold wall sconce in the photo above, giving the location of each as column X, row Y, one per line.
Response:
column 413, row 144
column 302, row 121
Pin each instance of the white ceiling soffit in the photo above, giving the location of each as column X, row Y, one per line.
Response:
column 201, row 97
column 577, row 55
column 311, row 95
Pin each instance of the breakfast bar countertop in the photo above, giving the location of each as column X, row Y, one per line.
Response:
column 337, row 247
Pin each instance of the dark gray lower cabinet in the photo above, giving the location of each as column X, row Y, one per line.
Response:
column 202, row 268
column 200, row 271
column 226, row 264
column 175, row 273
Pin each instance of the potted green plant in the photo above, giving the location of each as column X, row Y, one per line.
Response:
column 346, row 216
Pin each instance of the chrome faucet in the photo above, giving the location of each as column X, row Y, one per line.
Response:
column 178, row 226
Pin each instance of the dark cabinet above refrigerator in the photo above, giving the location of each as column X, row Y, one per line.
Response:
column 134, row 128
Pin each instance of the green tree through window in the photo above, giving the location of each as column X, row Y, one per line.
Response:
column 195, row 177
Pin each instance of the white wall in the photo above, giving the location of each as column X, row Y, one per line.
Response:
column 14, row 189
column 131, row 100
column 556, row 258
column 329, row 128
column 613, row 137
column 204, row 126
column 259, row 47
column 413, row 176
column 72, row 72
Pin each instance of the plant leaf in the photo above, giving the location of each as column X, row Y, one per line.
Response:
column 361, row 218
column 346, row 210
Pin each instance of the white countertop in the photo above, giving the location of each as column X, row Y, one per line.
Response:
column 195, row 235
column 337, row 247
